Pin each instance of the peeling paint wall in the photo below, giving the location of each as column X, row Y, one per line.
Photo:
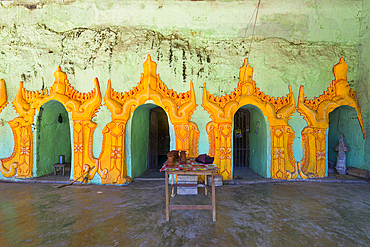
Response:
column 296, row 43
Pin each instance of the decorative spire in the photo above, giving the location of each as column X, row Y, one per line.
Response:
column 246, row 72
column 59, row 85
column 340, row 70
column 150, row 72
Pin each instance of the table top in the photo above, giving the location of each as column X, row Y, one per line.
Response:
column 189, row 165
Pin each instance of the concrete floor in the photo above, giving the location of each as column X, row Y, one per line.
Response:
column 265, row 214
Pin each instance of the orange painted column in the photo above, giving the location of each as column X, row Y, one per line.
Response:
column 113, row 158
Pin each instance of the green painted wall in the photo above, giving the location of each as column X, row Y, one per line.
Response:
column 139, row 140
column 343, row 120
column 362, row 86
column 53, row 138
column 297, row 42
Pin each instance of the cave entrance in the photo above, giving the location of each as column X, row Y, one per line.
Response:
column 53, row 139
column 343, row 121
column 250, row 158
column 150, row 141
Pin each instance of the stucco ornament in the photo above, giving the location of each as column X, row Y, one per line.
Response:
column 11, row 170
column 83, row 107
column 277, row 111
column 3, row 95
column 179, row 107
column 316, row 113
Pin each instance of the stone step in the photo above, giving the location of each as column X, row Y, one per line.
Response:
column 358, row 172
column 218, row 181
column 187, row 179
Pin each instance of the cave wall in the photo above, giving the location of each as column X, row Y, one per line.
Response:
column 295, row 43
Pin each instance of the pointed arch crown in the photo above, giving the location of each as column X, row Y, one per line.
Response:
column 83, row 105
column 316, row 111
column 179, row 106
column 224, row 107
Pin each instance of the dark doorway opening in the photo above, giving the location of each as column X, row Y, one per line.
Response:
column 150, row 141
column 159, row 138
column 241, row 149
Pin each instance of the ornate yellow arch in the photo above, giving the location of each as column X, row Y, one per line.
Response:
column 277, row 111
column 179, row 108
column 83, row 107
column 316, row 113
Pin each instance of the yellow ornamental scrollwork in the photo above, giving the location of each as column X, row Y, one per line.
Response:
column 83, row 106
column 11, row 164
column 277, row 111
column 3, row 95
column 316, row 113
column 179, row 107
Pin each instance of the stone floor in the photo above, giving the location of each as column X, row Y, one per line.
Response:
column 259, row 214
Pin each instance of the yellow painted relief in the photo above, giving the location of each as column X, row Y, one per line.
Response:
column 10, row 169
column 179, row 107
column 83, row 107
column 277, row 111
column 3, row 95
column 316, row 113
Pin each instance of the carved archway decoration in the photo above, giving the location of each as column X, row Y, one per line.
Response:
column 316, row 113
column 83, row 106
column 3, row 95
column 12, row 169
column 179, row 107
column 277, row 111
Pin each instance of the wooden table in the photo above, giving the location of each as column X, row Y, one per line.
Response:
column 61, row 166
column 193, row 207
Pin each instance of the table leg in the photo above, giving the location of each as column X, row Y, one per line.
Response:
column 173, row 187
column 205, row 184
column 55, row 170
column 213, row 198
column 167, row 198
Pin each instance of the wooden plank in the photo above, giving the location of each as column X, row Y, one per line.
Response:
column 191, row 207
column 186, row 185
column 209, row 172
